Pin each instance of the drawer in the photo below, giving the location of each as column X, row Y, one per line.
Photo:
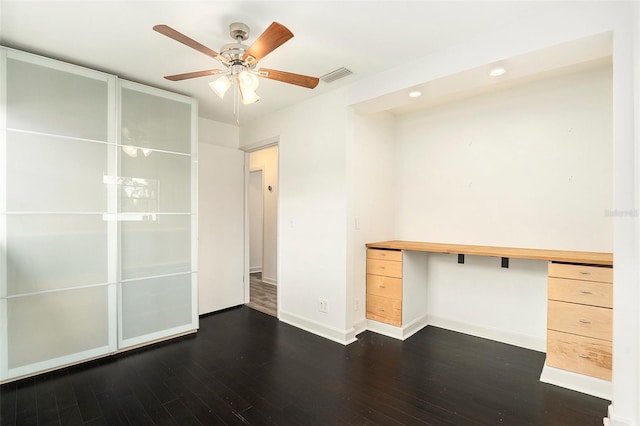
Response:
column 588, row 321
column 584, row 292
column 388, row 268
column 579, row 354
column 384, row 254
column 579, row 272
column 379, row 285
column 384, row 309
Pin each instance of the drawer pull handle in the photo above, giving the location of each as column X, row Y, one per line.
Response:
column 382, row 267
column 380, row 310
column 583, row 356
column 584, row 321
column 585, row 292
column 585, row 273
column 381, row 285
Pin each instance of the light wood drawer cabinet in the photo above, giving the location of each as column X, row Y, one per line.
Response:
column 384, row 286
column 380, row 285
column 384, row 309
column 584, row 292
column 579, row 318
column 384, row 254
column 581, row 272
column 589, row 321
column 579, row 354
column 387, row 268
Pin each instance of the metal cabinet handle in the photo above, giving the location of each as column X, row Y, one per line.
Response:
column 584, row 321
column 380, row 310
column 381, row 285
column 583, row 356
column 585, row 273
column 585, row 292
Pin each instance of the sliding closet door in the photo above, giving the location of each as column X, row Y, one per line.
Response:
column 58, row 235
column 157, row 214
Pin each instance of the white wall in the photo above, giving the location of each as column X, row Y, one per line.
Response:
column 371, row 215
column 217, row 133
column 220, row 217
column 267, row 161
column 312, row 210
column 636, row 81
column 255, row 220
column 322, row 120
column 564, row 22
column 530, row 166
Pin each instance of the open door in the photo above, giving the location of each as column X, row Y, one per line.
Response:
column 262, row 212
column 220, row 227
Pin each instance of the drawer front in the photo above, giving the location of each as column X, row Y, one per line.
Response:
column 380, row 285
column 384, row 254
column 583, row 292
column 579, row 354
column 388, row 268
column 384, row 310
column 588, row 321
column 579, row 272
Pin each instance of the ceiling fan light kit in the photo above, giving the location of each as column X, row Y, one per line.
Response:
column 240, row 61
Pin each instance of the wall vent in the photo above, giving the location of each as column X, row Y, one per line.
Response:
column 335, row 75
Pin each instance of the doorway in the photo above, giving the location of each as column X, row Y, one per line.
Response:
column 262, row 218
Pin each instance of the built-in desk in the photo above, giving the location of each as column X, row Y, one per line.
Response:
column 584, row 257
column 579, row 301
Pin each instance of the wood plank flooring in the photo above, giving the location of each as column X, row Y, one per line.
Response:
column 245, row 367
column 262, row 296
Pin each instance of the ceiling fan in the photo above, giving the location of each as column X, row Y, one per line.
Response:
column 240, row 61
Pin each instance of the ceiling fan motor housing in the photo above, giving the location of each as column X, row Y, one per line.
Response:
column 239, row 30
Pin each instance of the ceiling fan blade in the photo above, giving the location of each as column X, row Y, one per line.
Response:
column 288, row 77
column 178, row 36
column 269, row 40
column 185, row 76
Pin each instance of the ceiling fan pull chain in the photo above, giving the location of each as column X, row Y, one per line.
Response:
column 236, row 103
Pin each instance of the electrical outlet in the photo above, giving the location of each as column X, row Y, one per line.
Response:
column 356, row 305
column 323, row 306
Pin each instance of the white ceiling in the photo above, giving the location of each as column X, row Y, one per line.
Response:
column 365, row 37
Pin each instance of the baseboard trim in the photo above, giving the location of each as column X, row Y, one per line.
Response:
column 401, row 333
column 521, row 340
column 269, row 280
column 254, row 269
column 577, row 382
column 343, row 337
column 360, row 326
column 612, row 420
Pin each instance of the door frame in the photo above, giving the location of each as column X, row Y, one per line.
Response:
column 248, row 149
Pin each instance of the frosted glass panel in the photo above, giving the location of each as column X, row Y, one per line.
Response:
column 156, row 247
column 46, row 326
column 51, row 101
column 155, row 122
column 46, row 252
column 160, row 182
column 55, row 174
column 157, row 304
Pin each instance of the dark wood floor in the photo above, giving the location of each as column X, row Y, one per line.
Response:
column 246, row 367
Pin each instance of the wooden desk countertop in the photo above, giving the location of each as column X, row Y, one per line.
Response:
column 587, row 257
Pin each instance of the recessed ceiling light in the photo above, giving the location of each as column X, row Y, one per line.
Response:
column 415, row 94
column 498, row 71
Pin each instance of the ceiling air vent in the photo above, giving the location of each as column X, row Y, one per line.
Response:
column 335, row 75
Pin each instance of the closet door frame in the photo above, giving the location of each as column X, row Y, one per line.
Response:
column 109, row 216
column 136, row 341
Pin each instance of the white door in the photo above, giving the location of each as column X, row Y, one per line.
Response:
column 220, row 227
